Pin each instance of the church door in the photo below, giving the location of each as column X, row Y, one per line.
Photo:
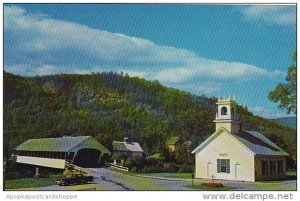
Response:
column 237, row 171
column 209, row 169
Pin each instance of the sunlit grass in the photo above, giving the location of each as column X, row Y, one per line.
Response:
column 29, row 182
column 168, row 175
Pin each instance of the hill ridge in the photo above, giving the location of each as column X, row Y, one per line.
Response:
column 110, row 106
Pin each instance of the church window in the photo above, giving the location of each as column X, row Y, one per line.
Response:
column 272, row 168
column 265, row 167
column 279, row 166
column 223, row 165
column 223, row 111
column 232, row 111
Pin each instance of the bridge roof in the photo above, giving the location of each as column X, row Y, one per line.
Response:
column 62, row 144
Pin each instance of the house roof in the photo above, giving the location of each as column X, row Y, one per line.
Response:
column 127, row 146
column 256, row 142
column 62, row 144
column 172, row 140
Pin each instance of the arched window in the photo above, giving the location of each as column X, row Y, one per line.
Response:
column 232, row 111
column 223, row 111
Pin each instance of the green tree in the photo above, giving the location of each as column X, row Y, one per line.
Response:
column 110, row 107
column 286, row 93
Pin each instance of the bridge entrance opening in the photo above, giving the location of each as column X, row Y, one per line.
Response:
column 87, row 158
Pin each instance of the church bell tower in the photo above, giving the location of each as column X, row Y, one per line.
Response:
column 226, row 115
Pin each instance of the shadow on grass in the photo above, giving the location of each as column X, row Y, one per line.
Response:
column 291, row 177
column 287, row 178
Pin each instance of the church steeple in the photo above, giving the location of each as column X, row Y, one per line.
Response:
column 227, row 116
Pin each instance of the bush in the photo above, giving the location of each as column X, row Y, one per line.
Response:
column 13, row 175
column 134, row 170
column 135, row 162
column 216, row 185
column 110, row 160
column 170, row 167
column 153, row 165
column 186, row 169
column 149, row 169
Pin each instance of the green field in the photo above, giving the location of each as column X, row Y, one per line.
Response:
column 161, row 174
column 28, row 183
column 291, row 173
column 168, row 175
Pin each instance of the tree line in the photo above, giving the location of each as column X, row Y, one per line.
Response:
column 110, row 106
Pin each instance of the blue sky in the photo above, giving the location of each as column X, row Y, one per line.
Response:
column 203, row 49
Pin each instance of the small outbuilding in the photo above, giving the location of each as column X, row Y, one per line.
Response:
column 83, row 151
column 172, row 143
column 125, row 149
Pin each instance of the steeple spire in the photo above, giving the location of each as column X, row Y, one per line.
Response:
column 226, row 115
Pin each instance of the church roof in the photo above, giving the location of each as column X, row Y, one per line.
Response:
column 256, row 142
column 259, row 144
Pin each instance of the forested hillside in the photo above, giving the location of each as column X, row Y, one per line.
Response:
column 287, row 121
column 110, row 106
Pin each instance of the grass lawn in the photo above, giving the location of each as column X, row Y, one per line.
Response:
column 291, row 173
column 289, row 176
column 168, row 175
column 207, row 188
column 29, row 182
column 161, row 174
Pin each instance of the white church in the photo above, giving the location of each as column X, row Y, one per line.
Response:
column 234, row 154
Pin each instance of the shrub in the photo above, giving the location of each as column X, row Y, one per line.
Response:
column 171, row 167
column 149, row 169
column 13, row 175
column 157, row 156
column 135, row 162
column 186, row 169
column 216, row 185
column 153, row 165
column 134, row 170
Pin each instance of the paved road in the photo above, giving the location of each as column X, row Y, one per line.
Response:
column 108, row 180
column 113, row 180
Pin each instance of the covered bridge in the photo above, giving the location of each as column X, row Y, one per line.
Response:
column 83, row 151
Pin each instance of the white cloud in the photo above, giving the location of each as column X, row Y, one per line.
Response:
column 268, row 113
column 217, row 70
column 281, row 15
column 37, row 44
column 175, row 74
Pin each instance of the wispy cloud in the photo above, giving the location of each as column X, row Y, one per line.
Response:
column 37, row 44
column 269, row 113
column 216, row 70
column 280, row 15
column 69, row 46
